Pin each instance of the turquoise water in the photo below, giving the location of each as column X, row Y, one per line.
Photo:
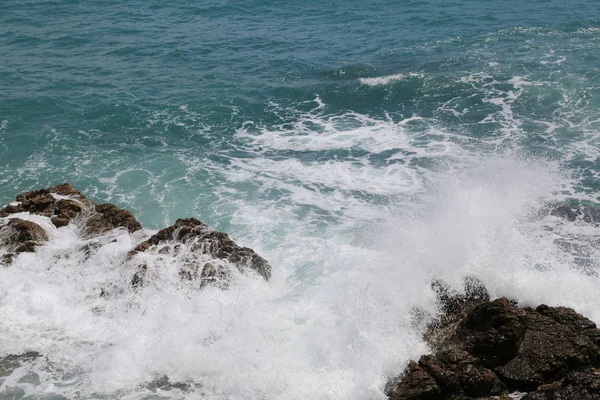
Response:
column 361, row 147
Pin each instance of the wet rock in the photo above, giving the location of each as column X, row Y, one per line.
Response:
column 493, row 331
column 206, row 255
column 454, row 304
column 495, row 346
column 548, row 351
column 459, row 373
column 577, row 385
column 454, row 307
column 18, row 236
column 108, row 217
column 63, row 204
column 415, row 384
column 202, row 240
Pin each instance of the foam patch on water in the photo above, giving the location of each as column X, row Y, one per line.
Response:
column 384, row 80
column 337, row 330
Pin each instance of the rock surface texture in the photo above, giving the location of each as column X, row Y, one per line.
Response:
column 494, row 348
column 204, row 254
column 204, row 247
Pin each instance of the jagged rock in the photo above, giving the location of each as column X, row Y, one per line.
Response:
column 52, row 203
column 493, row 331
column 454, row 306
column 577, row 385
column 415, row 384
column 459, row 373
column 495, row 346
column 18, row 236
column 201, row 240
column 108, row 217
column 549, row 349
column 207, row 255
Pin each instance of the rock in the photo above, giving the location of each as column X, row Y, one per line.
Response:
column 454, row 306
column 493, row 331
column 63, row 204
column 206, row 255
column 495, row 346
column 415, row 384
column 459, row 373
column 548, row 351
column 199, row 240
column 577, row 385
column 18, row 236
column 108, row 217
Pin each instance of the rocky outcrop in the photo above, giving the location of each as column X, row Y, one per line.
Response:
column 63, row 205
column 18, row 235
column 205, row 255
column 493, row 348
column 577, row 385
column 107, row 217
column 200, row 240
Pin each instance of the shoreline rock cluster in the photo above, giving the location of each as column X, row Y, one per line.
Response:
column 208, row 250
column 492, row 349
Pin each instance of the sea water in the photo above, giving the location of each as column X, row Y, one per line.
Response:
column 363, row 148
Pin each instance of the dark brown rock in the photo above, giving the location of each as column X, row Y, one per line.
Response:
column 108, row 217
column 459, row 373
column 415, row 384
column 577, row 385
column 65, row 205
column 67, row 209
column 492, row 331
column 18, row 236
column 200, row 239
column 48, row 202
column 549, row 350
column 60, row 222
column 494, row 346
column 24, row 231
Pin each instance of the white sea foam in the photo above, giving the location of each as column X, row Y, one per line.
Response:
column 356, row 214
column 384, row 80
column 334, row 322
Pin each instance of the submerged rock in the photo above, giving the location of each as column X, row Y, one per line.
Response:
column 201, row 240
column 496, row 347
column 11, row 362
column 590, row 215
